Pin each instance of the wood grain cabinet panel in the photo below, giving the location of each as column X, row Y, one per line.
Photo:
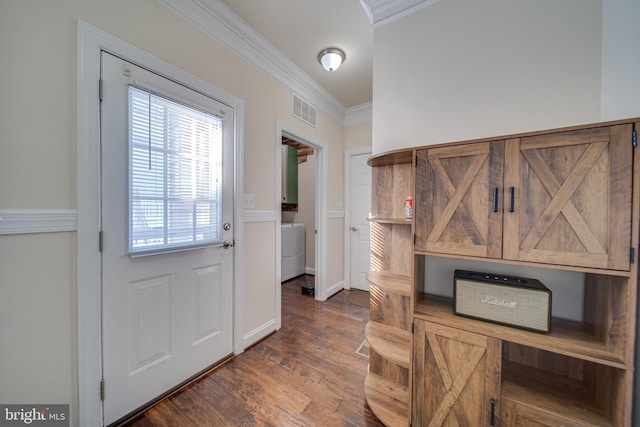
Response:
column 456, row 377
column 560, row 198
column 568, row 198
column 388, row 331
column 458, row 190
column 515, row 415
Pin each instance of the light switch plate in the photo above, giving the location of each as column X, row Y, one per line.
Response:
column 249, row 201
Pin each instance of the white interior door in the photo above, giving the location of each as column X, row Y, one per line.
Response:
column 359, row 208
column 166, row 209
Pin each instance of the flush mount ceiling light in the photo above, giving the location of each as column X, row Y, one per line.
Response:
column 331, row 58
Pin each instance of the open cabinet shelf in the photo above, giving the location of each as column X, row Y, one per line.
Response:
column 388, row 220
column 388, row 400
column 391, row 343
column 570, row 391
column 567, row 337
column 389, row 328
column 390, row 282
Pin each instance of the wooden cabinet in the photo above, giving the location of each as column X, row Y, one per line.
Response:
column 566, row 200
column 389, row 330
column 571, row 197
column 457, row 377
column 563, row 197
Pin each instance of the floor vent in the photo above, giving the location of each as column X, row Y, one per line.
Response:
column 303, row 110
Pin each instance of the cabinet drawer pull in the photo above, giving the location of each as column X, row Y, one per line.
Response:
column 495, row 199
column 493, row 408
column 512, row 206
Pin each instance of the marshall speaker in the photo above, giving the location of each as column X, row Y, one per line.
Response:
column 513, row 301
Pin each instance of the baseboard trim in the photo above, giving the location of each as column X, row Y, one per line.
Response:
column 335, row 289
column 259, row 333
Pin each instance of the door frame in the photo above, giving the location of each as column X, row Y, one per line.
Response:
column 91, row 41
column 286, row 129
column 347, row 210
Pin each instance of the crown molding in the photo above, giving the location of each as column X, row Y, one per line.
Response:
column 359, row 114
column 218, row 21
column 382, row 12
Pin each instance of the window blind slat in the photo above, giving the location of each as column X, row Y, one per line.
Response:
column 175, row 174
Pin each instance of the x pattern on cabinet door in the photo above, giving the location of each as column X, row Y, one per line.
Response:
column 455, row 186
column 560, row 202
column 457, row 202
column 570, row 204
column 458, row 370
column 454, row 381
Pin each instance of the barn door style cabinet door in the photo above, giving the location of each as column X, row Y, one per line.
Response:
column 457, row 377
column 457, row 199
column 568, row 197
column 564, row 198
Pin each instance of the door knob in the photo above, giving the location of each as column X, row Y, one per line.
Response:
column 354, row 228
column 227, row 244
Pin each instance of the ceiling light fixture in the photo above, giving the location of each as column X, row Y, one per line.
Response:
column 331, row 58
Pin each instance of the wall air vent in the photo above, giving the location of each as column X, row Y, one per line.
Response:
column 303, row 110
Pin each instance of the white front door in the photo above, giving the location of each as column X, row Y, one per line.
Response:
column 359, row 208
column 166, row 209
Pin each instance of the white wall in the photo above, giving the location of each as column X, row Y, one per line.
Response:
column 620, row 59
column 357, row 136
column 38, row 282
column 463, row 69
column 307, row 207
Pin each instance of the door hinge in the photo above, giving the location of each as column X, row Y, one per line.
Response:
column 100, row 89
column 415, row 160
column 414, row 240
column 632, row 257
column 100, row 241
column 634, row 138
column 102, row 390
column 413, row 327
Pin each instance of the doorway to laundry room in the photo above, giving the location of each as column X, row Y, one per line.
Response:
column 298, row 212
column 311, row 208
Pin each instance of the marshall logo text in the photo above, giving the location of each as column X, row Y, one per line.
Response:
column 499, row 302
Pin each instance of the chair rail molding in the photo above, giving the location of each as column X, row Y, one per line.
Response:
column 251, row 215
column 335, row 214
column 26, row 221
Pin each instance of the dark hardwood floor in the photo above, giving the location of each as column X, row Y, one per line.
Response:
column 306, row 374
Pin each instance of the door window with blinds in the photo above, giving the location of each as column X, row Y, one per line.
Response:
column 175, row 175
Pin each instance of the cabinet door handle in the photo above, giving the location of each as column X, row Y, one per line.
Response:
column 493, row 410
column 512, row 206
column 495, row 199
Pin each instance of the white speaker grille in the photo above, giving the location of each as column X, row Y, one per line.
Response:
column 520, row 307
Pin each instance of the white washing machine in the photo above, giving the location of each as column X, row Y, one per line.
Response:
column 293, row 250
